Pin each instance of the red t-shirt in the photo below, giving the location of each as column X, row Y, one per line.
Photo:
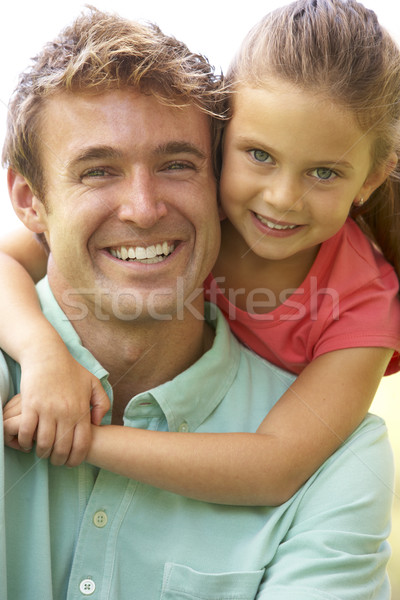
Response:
column 349, row 299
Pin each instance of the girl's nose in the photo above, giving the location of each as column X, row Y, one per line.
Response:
column 284, row 194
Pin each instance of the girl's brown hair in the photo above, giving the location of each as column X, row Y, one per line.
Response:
column 338, row 49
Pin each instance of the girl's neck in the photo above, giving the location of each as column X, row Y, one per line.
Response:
column 241, row 272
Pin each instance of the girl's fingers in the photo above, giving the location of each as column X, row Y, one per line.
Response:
column 27, row 429
column 11, row 428
column 81, row 443
column 45, row 436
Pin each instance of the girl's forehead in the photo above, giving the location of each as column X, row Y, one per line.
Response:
column 288, row 120
column 280, row 96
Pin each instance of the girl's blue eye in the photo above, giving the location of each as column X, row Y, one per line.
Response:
column 260, row 155
column 324, row 173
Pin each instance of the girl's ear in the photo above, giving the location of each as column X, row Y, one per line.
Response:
column 377, row 177
column 28, row 208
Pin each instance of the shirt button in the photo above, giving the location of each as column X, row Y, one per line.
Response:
column 183, row 427
column 87, row 587
column 100, row 518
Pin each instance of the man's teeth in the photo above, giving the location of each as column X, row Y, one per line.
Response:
column 272, row 225
column 150, row 254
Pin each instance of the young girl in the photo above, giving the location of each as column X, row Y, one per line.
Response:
column 309, row 159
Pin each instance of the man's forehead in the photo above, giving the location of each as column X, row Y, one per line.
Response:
column 120, row 100
column 99, row 122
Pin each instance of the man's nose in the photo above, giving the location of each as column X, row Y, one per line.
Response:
column 141, row 202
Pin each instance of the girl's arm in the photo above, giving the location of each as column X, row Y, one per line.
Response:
column 25, row 248
column 22, row 258
column 318, row 412
column 311, row 420
column 56, row 391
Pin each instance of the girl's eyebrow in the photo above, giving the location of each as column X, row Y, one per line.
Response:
column 335, row 163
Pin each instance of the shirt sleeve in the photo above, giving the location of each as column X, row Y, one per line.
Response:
column 336, row 548
column 368, row 317
column 4, row 380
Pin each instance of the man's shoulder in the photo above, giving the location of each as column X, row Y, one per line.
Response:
column 371, row 436
column 252, row 377
column 250, row 363
column 366, row 460
column 253, row 364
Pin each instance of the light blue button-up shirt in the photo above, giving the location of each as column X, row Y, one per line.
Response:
column 67, row 534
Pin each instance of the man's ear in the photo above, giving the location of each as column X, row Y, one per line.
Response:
column 28, row 208
column 378, row 176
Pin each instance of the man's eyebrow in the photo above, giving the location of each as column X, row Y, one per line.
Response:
column 179, row 147
column 94, row 153
column 108, row 152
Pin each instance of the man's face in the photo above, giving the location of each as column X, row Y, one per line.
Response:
column 131, row 211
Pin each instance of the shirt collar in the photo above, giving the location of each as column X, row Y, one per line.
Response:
column 193, row 395
column 53, row 313
column 188, row 398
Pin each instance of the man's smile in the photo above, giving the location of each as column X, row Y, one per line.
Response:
column 148, row 254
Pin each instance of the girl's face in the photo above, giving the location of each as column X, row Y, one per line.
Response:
column 293, row 164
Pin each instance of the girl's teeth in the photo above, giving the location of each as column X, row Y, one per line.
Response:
column 274, row 225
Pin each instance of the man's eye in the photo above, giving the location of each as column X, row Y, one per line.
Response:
column 324, row 174
column 98, row 172
column 178, row 166
column 261, row 156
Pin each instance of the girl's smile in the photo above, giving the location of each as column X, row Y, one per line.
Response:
column 275, row 228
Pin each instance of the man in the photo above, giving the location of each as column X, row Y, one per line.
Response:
column 119, row 138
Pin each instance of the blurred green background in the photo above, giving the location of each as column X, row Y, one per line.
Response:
column 387, row 405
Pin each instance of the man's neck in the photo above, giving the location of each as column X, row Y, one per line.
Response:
column 139, row 359
column 142, row 354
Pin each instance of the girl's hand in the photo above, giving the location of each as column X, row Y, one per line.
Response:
column 59, row 400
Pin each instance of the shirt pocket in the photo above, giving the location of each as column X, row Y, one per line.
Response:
column 181, row 582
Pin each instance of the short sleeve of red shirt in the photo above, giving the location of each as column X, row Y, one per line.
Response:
column 349, row 299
